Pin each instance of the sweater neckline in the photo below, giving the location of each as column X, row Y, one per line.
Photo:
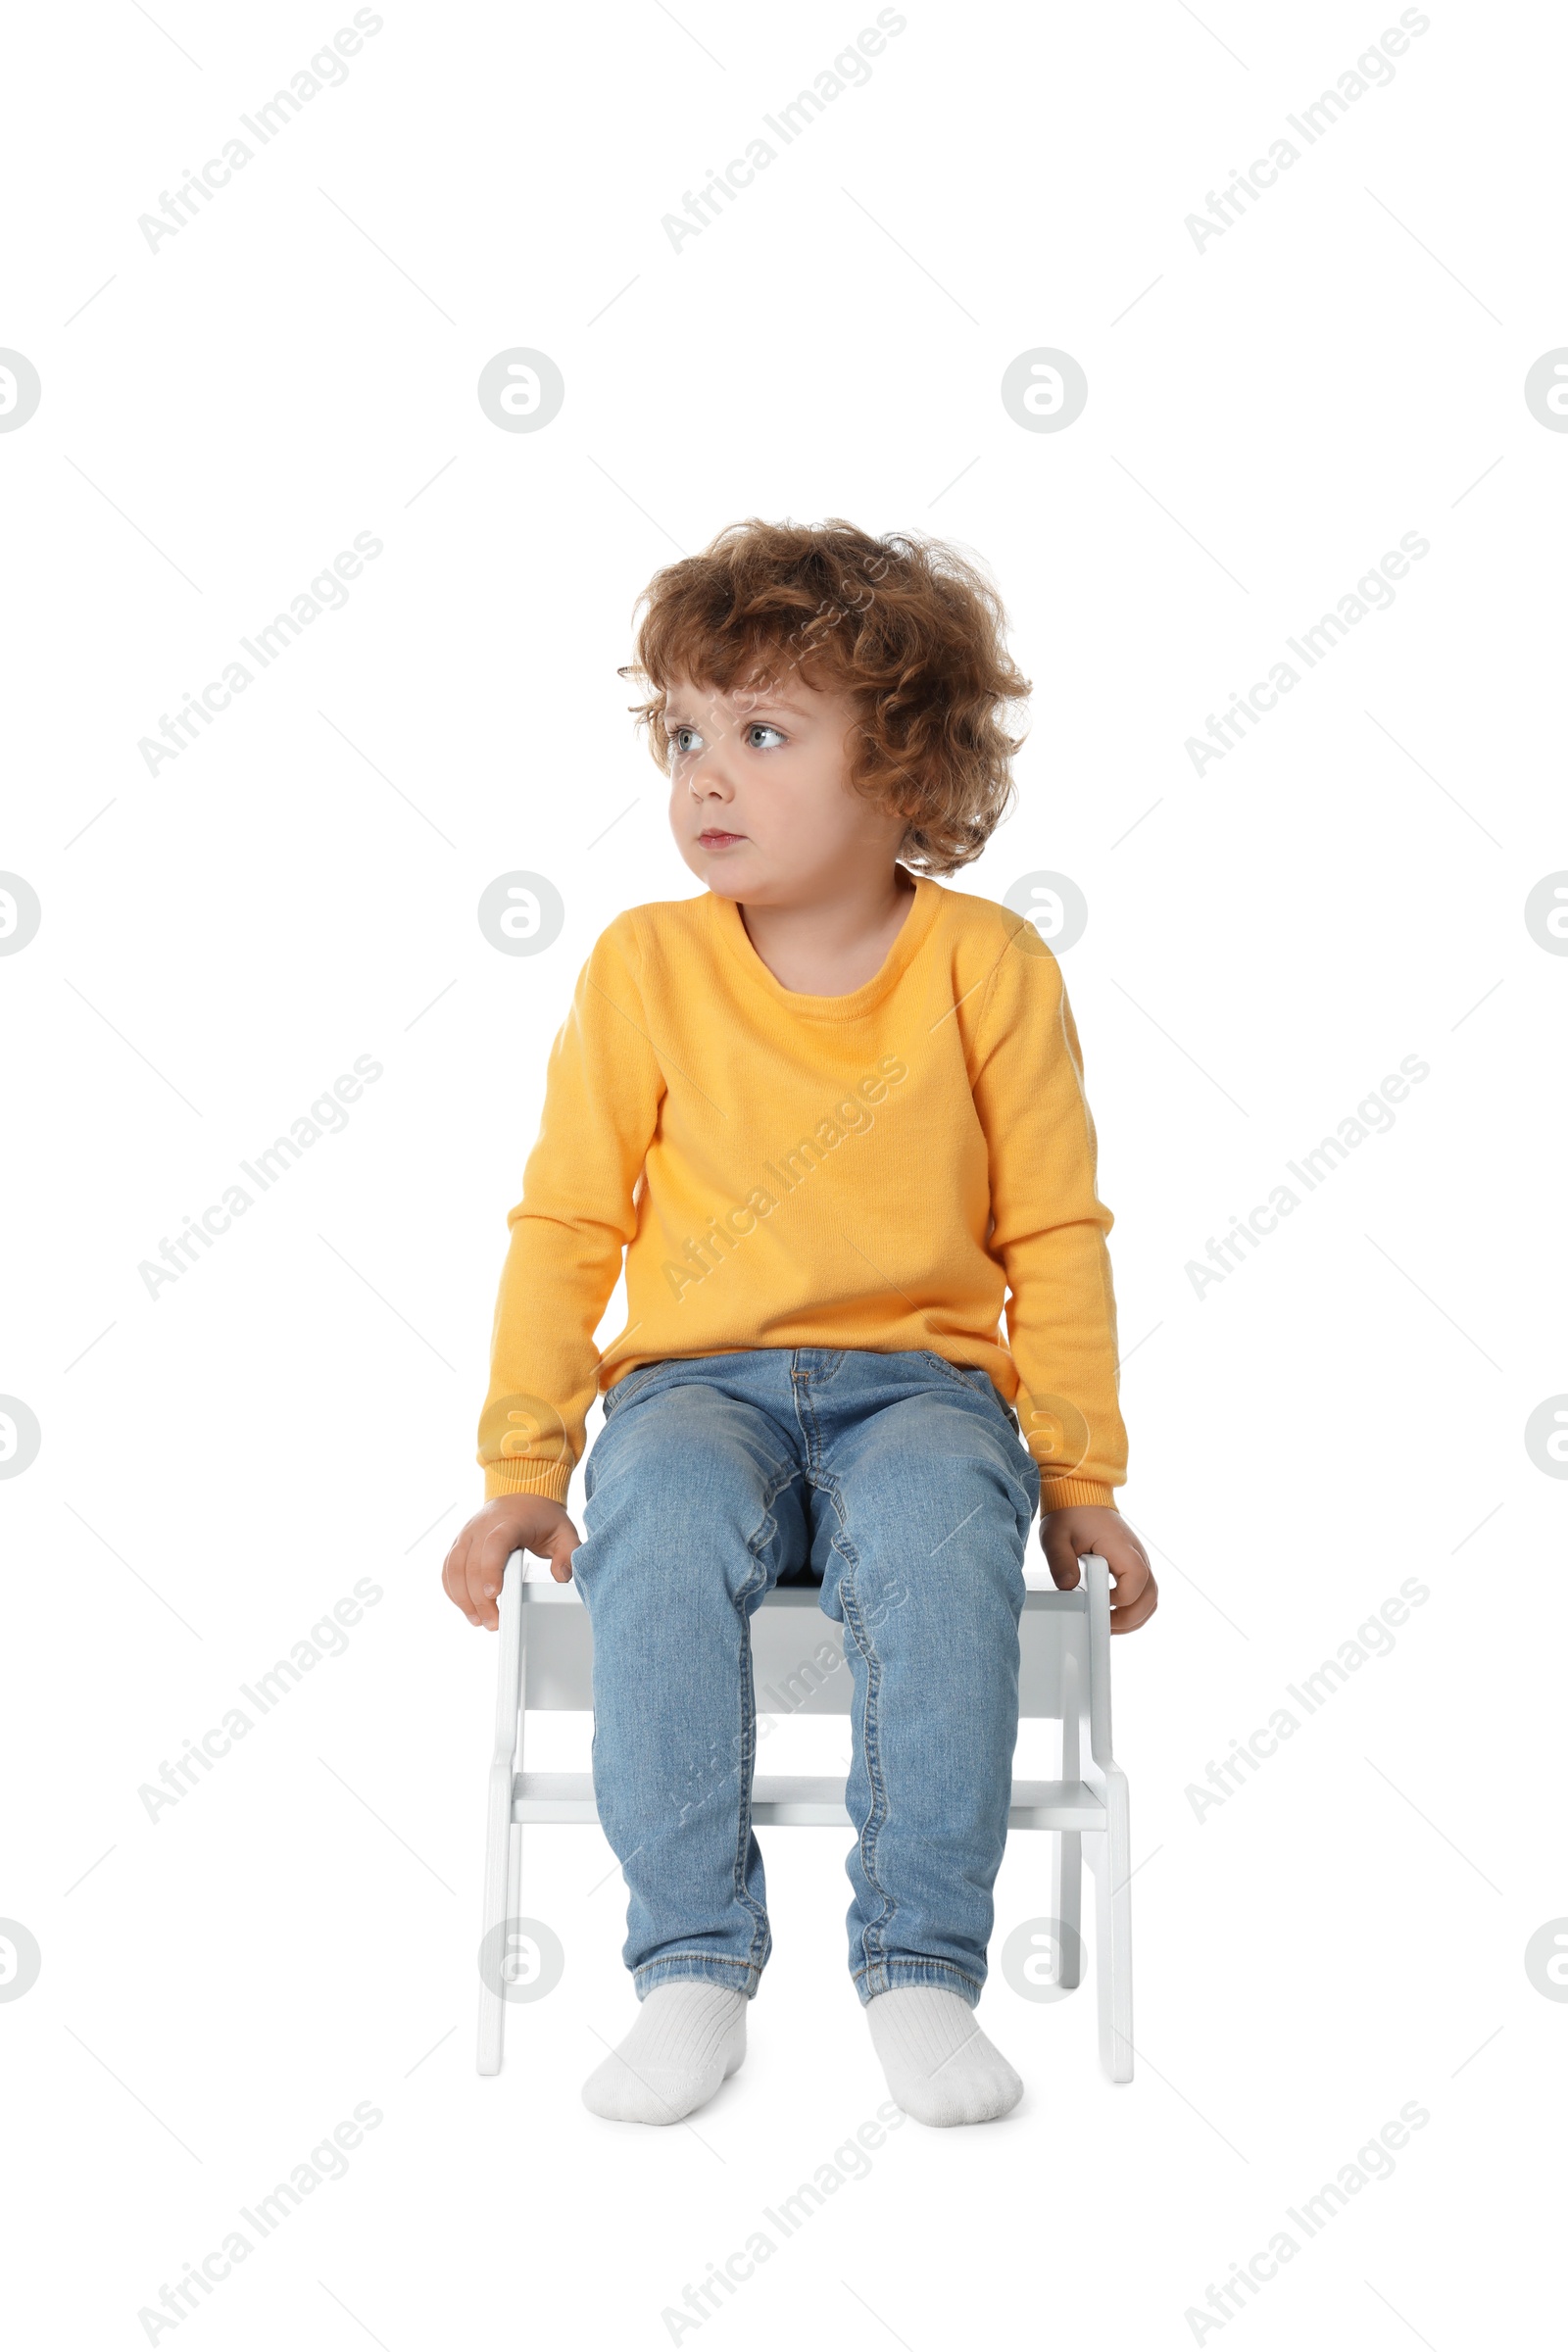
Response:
column 911, row 935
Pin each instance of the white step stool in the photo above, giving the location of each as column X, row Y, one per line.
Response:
column 546, row 1661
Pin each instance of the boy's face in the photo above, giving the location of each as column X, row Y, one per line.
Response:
column 759, row 804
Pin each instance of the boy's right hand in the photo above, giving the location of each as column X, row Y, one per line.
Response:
column 477, row 1560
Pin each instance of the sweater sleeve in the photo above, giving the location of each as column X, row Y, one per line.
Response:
column 1048, row 1227
column 603, row 1090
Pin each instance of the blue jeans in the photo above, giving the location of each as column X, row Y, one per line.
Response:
column 900, row 1481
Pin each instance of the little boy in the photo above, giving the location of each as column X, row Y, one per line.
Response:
column 834, row 1114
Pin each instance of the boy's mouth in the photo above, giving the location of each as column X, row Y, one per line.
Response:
column 714, row 840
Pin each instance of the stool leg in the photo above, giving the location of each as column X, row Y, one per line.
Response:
column 514, row 1863
column 1067, row 1905
column 1066, row 1868
column 1113, row 1932
column 500, row 1863
column 1111, row 1849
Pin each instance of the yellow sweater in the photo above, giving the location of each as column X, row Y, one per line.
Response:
column 872, row 1171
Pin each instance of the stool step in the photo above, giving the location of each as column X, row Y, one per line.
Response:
column 803, row 1801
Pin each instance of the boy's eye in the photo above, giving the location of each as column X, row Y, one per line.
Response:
column 760, row 736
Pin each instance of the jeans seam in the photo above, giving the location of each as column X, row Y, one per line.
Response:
column 805, row 1418
column 873, row 1934
column 767, row 1527
column 708, row 1959
column 915, row 1964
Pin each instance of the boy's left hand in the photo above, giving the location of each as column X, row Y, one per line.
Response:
column 1093, row 1527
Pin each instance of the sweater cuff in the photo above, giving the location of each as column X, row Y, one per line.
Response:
column 1060, row 1494
column 549, row 1479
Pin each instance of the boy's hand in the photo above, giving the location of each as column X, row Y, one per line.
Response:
column 477, row 1560
column 1093, row 1527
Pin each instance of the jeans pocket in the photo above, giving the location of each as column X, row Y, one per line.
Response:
column 971, row 1376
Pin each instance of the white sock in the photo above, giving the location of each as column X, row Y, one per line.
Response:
column 940, row 2066
column 689, row 2035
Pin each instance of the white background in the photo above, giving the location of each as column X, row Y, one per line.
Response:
column 1267, row 416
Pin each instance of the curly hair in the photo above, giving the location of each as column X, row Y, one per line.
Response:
column 904, row 624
